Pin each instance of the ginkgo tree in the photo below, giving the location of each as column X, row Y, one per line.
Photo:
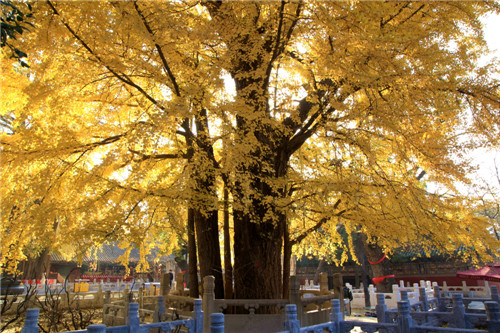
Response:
column 126, row 121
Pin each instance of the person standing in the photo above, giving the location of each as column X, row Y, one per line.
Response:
column 171, row 276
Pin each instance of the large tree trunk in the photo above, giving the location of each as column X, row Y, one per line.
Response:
column 257, row 265
column 35, row 267
column 380, row 268
column 259, row 231
column 258, row 220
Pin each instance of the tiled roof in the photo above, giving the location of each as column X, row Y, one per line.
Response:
column 418, row 251
column 110, row 254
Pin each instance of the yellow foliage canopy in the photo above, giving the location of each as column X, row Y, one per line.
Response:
column 126, row 111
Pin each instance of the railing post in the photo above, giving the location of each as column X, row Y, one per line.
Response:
column 423, row 299
column 141, row 297
column 208, row 300
column 323, row 283
column 31, row 321
column 404, row 296
column 294, row 296
column 372, row 290
column 159, row 309
column 165, row 284
column 179, row 283
column 106, row 307
column 292, row 324
column 100, row 299
column 395, row 293
column 494, row 294
column 381, row 308
column 126, row 302
column 492, row 316
column 159, row 312
column 336, row 316
column 198, row 316
column 440, row 302
column 107, row 297
column 459, row 311
column 405, row 322
column 133, row 320
column 96, row 328
column 216, row 323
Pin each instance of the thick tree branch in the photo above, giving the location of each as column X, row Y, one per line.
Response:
column 144, row 157
column 490, row 97
column 280, row 40
column 413, row 14
column 277, row 45
column 319, row 117
column 383, row 23
column 318, row 225
column 116, row 184
column 160, row 52
column 84, row 148
column 122, row 77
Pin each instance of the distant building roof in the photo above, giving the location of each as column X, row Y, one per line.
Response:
column 489, row 272
column 417, row 251
column 110, row 254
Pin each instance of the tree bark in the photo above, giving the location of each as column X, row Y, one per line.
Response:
column 287, row 257
column 35, row 267
column 384, row 268
column 192, row 259
column 259, row 231
column 360, row 253
column 228, row 266
column 257, row 269
column 207, row 234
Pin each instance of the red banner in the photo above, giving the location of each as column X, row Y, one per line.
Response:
column 378, row 262
column 378, row 279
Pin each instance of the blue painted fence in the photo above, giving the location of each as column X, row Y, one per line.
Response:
column 402, row 321
column 194, row 325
